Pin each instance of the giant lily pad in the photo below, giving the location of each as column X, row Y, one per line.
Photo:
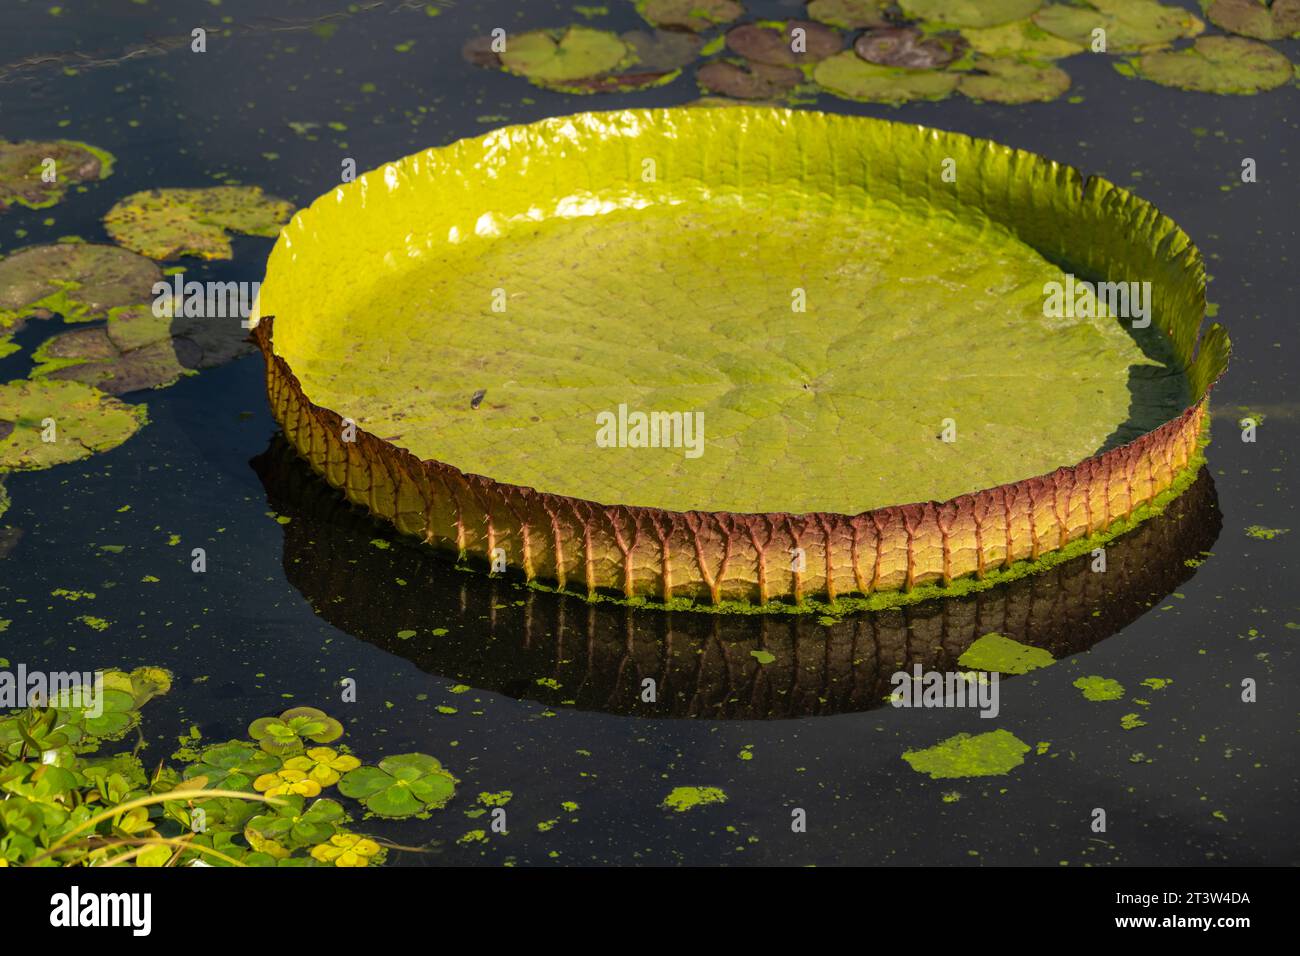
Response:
column 1218, row 65
column 970, row 13
column 849, row 14
column 81, row 420
column 775, row 43
column 23, row 170
column 1005, row 80
column 170, row 223
column 79, row 281
column 849, row 76
column 1274, row 20
column 1129, row 24
column 400, row 786
column 694, row 15
column 852, row 329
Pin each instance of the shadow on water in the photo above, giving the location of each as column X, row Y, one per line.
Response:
column 1157, row 392
column 499, row 635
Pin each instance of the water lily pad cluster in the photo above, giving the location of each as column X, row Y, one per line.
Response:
column 879, row 51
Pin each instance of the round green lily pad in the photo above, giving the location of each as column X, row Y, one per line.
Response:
column 23, row 167
column 557, row 56
column 1218, row 65
column 849, row 76
column 1275, row 20
column 694, row 15
column 774, row 43
column 849, row 14
column 77, row 280
column 1129, row 24
column 970, row 13
column 85, row 421
column 1006, row 80
column 748, row 81
column 1020, row 38
column 170, row 223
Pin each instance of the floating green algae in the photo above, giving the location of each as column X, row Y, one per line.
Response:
column 849, row 14
column 850, row 77
column 170, row 223
column 1265, row 534
column 1100, row 688
column 994, row 652
column 1258, row 19
column 1224, row 65
column 1128, row 24
column 80, row 281
column 682, row 799
column 970, row 13
column 695, row 15
column 27, row 179
column 1005, row 80
column 48, row 423
column 983, row 755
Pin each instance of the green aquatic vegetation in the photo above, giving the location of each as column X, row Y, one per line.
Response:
column 970, row 13
column 1265, row 534
column 560, row 56
column 849, row 14
column 286, row 734
column 1005, row 80
column 681, row 799
column 77, row 420
column 983, row 755
column 994, row 652
column 1157, row 683
column 1020, row 38
column 763, row 657
column 296, row 824
column 773, row 43
column 1129, row 24
column 400, row 786
column 909, row 47
column 233, row 765
column 694, row 15
column 81, row 281
column 1225, row 65
column 349, row 850
column 1131, row 722
column 1100, row 688
column 26, row 179
column 1258, row 19
column 323, row 765
column 849, row 76
column 171, row 223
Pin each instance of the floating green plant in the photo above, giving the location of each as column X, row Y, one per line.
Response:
column 1005, row 80
column 38, row 174
column 849, row 14
column 849, row 76
column 994, row 652
column 1020, row 38
column 80, row 281
column 681, row 799
column 970, row 13
column 47, row 423
column 232, row 765
column 1100, row 688
column 286, row 734
column 562, row 56
column 983, row 755
column 1218, row 65
column 1128, row 24
column 1258, row 19
column 170, row 223
column 696, row 15
column 400, row 786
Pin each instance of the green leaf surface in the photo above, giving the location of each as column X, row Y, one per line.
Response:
column 970, row 13
column 1218, row 65
column 85, row 421
column 1129, row 24
column 171, row 223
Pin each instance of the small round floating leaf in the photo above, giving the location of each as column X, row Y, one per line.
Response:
column 748, row 81
column 849, row 14
column 79, row 280
column 970, row 13
column 982, row 755
column 22, row 166
column 231, row 766
column 1021, row 38
column 1004, row 80
column 1218, row 65
column 849, row 76
column 1129, row 24
column 662, row 49
column 693, row 15
column 908, row 48
column 170, row 223
column 86, row 421
column 1252, row 18
column 774, row 44
column 556, row 56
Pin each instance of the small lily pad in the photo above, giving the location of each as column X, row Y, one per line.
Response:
column 748, row 81
column 662, row 49
column 1006, row 80
column 85, row 421
column 1218, row 65
column 170, row 223
column 1276, row 20
column 80, row 281
column 983, row 755
column 970, row 13
column 1021, row 38
column 1129, row 24
column 849, row 76
column 849, row 14
column 558, row 56
column 23, row 167
column 774, row 44
column 693, row 15
column 909, row 48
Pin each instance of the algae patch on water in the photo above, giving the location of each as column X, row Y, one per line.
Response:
column 682, row 799
column 993, row 652
column 1100, row 688
column 983, row 755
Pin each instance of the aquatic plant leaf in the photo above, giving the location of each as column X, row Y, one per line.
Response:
column 849, row 14
column 774, row 43
column 970, row 13
column 1006, row 80
column 557, row 56
column 1020, row 38
column 478, row 51
column 349, row 850
column 295, row 825
column 996, row 652
column 80, row 281
column 681, row 799
column 662, row 49
column 747, row 81
column 1218, row 65
column 85, row 421
column 983, row 755
column 1129, row 24
column 1255, row 19
column 400, row 786
column 171, row 223
column 848, row 76
column 231, row 766
column 23, row 170
column 694, row 15
column 909, row 48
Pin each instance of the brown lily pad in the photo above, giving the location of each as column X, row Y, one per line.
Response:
column 80, row 281
column 693, row 15
column 748, row 81
column 478, row 50
column 23, row 166
column 789, row 44
column 1275, row 20
column 909, row 48
column 663, row 49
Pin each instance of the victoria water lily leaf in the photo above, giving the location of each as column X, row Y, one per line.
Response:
column 1021, row 38
column 849, row 14
column 781, row 45
column 78, row 280
column 81, row 421
column 810, row 438
column 748, row 81
column 1255, row 18
column 970, row 13
column 1129, row 24
column 27, row 179
column 170, row 223
column 400, row 786
column 694, row 15
column 1218, row 65
column 662, row 49
column 558, row 56
column 983, row 755
column 849, row 76
column 909, row 48
column 1005, row 80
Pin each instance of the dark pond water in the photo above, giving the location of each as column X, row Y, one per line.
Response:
column 552, row 709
